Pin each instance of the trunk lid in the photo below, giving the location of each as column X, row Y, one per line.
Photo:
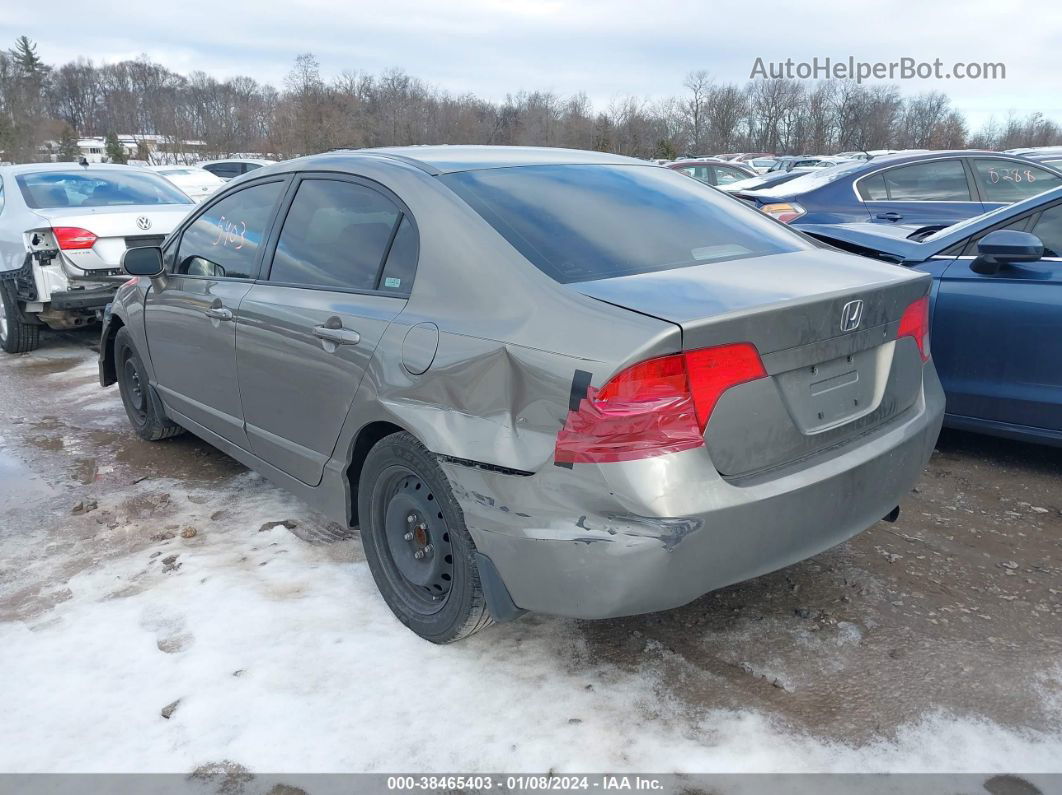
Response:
column 116, row 228
column 830, row 379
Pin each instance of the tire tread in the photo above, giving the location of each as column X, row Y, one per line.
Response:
column 157, row 425
column 409, row 449
column 21, row 337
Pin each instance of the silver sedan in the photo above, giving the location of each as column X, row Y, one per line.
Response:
column 536, row 379
column 63, row 230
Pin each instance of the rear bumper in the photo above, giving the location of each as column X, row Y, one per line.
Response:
column 610, row 540
column 95, row 298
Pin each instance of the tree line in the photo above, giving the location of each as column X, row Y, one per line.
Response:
column 44, row 105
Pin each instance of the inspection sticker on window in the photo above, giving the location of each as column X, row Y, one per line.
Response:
column 391, row 281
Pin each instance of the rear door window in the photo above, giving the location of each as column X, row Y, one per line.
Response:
column 872, row 188
column 728, row 176
column 583, row 222
column 336, row 235
column 223, row 242
column 937, row 180
column 224, row 170
column 401, row 265
column 1009, row 181
column 1048, row 228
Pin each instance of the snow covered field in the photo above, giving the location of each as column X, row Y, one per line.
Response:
column 183, row 584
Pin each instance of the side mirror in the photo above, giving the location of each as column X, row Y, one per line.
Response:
column 145, row 261
column 1005, row 246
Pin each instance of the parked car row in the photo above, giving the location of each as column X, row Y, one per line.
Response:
column 933, row 188
column 670, row 371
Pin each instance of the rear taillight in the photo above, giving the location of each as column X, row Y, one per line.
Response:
column 72, row 238
column 915, row 323
column 658, row 406
column 785, row 212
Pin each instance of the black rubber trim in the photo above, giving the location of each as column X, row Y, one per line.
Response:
column 580, row 384
column 499, row 602
column 83, row 299
column 468, row 462
column 25, row 287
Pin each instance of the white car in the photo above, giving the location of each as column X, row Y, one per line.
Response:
column 232, row 167
column 63, row 230
column 197, row 182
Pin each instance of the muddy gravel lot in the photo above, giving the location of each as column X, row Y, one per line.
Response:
column 163, row 608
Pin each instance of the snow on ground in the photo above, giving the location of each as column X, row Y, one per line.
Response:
column 281, row 655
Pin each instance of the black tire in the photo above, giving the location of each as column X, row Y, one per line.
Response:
column 145, row 412
column 16, row 335
column 438, row 596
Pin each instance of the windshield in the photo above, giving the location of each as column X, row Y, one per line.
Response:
column 579, row 223
column 56, row 189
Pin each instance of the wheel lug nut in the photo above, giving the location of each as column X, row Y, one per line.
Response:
column 429, row 549
column 411, row 518
column 408, row 536
column 419, row 554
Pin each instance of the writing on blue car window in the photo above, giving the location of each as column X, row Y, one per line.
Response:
column 1010, row 181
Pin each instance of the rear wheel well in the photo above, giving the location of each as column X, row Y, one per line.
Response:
column 366, row 440
column 109, row 373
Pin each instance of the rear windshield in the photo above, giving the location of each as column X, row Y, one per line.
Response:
column 47, row 190
column 581, row 223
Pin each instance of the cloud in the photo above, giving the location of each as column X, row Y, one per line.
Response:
column 607, row 48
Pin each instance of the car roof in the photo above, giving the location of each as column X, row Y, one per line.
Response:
column 700, row 161
column 261, row 160
column 36, row 168
column 448, row 159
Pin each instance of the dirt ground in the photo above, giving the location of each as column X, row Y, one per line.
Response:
column 956, row 608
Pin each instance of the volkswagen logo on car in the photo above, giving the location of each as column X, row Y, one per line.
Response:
column 852, row 315
column 143, row 222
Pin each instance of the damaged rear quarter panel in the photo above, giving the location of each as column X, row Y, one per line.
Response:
column 510, row 339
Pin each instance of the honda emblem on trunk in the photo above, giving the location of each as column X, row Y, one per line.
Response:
column 852, row 315
column 143, row 222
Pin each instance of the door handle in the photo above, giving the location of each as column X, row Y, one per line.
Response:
column 218, row 313
column 889, row 216
column 339, row 336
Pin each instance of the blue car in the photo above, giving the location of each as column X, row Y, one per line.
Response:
column 927, row 189
column 995, row 313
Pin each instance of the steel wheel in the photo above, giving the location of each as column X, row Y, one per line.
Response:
column 133, row 391
column 146, row 414
column 418, row 559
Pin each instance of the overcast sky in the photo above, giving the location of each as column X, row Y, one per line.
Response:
column 605, row 48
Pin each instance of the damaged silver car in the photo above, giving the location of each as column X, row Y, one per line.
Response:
column 537, row 379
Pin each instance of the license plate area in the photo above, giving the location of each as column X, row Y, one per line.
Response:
column 828, row 394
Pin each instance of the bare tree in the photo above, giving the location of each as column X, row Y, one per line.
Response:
column 192, row 115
